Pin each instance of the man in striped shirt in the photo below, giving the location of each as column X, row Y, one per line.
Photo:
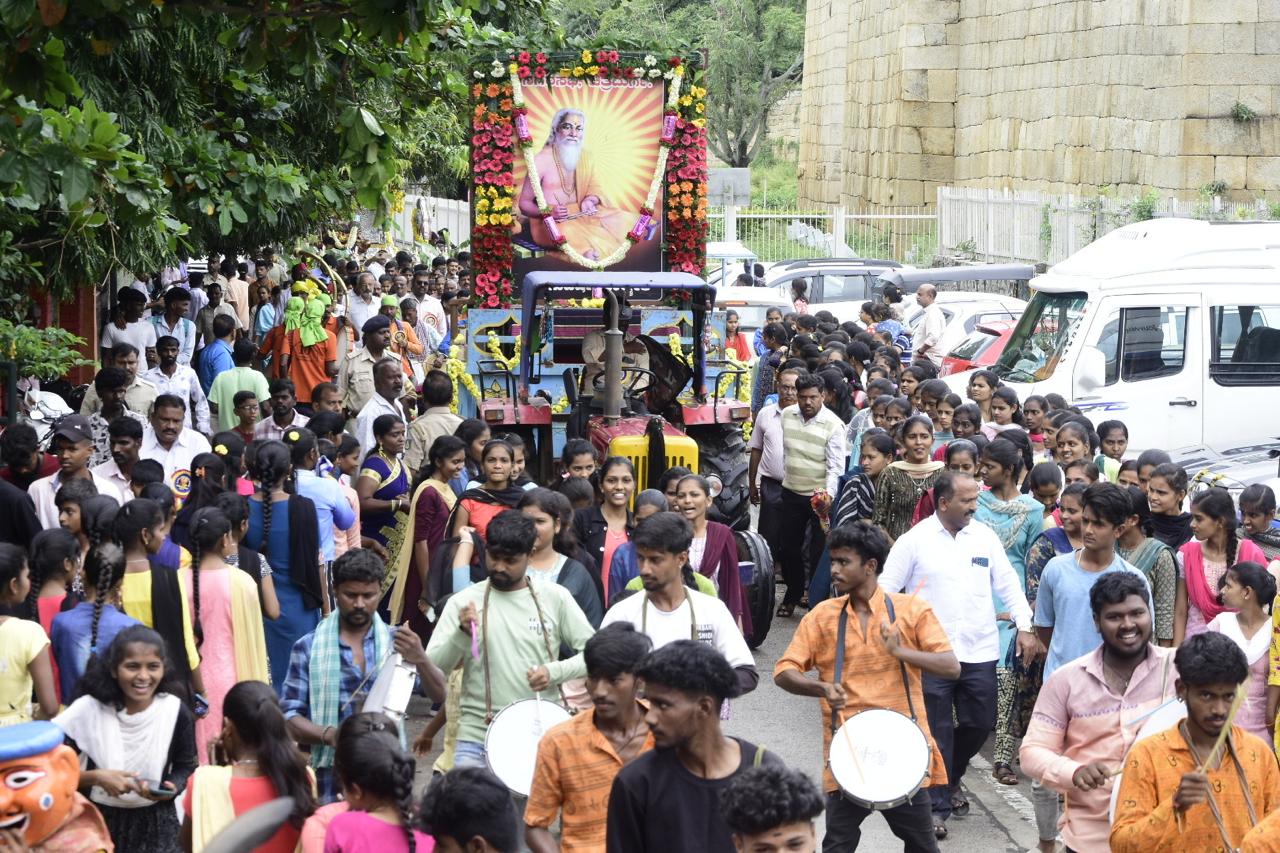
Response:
column 813, row 452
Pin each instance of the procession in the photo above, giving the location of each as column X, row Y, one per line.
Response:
column 463, row 453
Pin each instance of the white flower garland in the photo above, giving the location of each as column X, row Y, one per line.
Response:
column 660, row 170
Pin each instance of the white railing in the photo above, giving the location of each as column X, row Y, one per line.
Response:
column 441, row 213
column 907, row 235
column 994, row 225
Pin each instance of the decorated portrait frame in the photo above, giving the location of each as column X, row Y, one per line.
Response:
column 501, row 135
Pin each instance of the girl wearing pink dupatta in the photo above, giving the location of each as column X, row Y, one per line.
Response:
column 1205, row 559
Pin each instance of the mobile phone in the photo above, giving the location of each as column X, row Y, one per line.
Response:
column 201, row 705
column 158, row 791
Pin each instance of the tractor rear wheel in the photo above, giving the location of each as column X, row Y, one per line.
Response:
column 761, row 588
column 722, row 453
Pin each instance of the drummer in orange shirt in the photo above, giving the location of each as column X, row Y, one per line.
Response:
column 878, row 655
column 578, row 759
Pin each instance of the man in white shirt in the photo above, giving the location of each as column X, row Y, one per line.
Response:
column 129, row 327
column 172, row 377
column 73, row 446
column 667, row 610
column 174, row 322
column 361, row 303
column 956, row 564
column 171, row 444
column 430, row 309
column 928, row 333
column 767, row 469
column 388, row 385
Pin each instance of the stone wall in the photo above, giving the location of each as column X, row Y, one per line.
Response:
column 1063, row 96
column 784, row 125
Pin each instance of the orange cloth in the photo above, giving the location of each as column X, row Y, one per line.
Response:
column 84, row 831
column 411, row 344
column 307, row 364
column 1265, row 837
column 573, row 776
column 872, row 677
column 1145, row 818
column 273, row 345
column 739, row 346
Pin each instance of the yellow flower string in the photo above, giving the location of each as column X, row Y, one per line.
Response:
column 495, row 350
column 457, row 370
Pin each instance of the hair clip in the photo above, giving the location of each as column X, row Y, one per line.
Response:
column 293, row 435
column 221, row 450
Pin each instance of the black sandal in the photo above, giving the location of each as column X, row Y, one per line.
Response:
column 785, row 610
column 1004, row 774
column 959, row 805
column 939, row 828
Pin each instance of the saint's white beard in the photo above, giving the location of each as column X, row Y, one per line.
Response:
column 569, row 151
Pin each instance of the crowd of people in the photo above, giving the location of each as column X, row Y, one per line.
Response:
column 267, row 497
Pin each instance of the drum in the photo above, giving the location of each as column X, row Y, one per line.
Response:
column 880, row 758
column 511, row 743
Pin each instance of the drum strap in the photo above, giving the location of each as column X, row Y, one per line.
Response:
column 840, row 634
column 644, row 617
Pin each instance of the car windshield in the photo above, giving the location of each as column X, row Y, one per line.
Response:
column 974, row 345
column 1041, row 336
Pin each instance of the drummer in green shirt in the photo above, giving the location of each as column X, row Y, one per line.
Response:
column 506, row 632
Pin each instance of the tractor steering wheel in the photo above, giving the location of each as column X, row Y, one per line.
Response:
column 627, row 389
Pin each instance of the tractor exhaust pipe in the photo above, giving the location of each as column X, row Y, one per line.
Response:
column 612, row 359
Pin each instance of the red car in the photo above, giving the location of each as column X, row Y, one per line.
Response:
column 981, row 349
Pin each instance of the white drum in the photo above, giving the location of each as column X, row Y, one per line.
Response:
column 1164, row 717
column 880, row 758
column 511, row 743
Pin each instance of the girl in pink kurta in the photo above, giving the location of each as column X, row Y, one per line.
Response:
column 1204, row 560
column 1248, row 589
column 226, row 618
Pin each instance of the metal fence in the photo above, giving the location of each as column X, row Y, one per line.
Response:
column 908, row 234
column 993, row 225
column 451, row 214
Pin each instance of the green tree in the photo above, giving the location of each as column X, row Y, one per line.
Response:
column 755, row 51
column 133, row 130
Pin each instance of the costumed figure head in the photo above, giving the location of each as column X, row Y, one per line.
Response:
column 38, row 780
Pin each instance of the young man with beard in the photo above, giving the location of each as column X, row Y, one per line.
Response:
column 1176, row 793
column 889, row 640
column 578, row 759
column 72, row 444
column 668, row 799
column 126, row 440
column 516, row 624
column 110, row 383
column 171, row 376
column 140, row 392
column 332, row 669
column 284, row 412
column 668, row 610
column 1090, row 709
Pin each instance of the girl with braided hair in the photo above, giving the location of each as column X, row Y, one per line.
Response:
column 1204, row 560
column 246, row 559
column 55, row 560
column 377, row 785
column 258, row 762
column 208, row 480
column 283, row 528
column 24, row 646
column 93, row 623
column 227, row 618
column 152, row 593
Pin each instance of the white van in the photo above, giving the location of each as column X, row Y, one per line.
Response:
column 1171, row 325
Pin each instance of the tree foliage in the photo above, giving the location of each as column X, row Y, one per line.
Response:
column 754, row 50
column 134, row 130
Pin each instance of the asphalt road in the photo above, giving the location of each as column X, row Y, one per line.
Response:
column 1000, row 820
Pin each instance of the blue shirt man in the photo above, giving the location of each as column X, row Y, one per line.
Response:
column 216, row 358
column 332, row 509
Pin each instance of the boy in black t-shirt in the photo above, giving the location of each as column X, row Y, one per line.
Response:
column 772, row 808
column 669, row 799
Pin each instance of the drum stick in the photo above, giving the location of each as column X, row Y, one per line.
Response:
column 853, row 753
column 475, row 642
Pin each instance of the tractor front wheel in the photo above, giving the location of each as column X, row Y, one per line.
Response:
column 722, row 453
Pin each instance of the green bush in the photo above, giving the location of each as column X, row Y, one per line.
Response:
column 46, row 354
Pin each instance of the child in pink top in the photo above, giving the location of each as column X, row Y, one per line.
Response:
column 377, row 784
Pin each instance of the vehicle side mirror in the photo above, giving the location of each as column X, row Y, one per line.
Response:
column 1090, row 371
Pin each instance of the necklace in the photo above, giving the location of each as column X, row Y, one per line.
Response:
column 564, row 184
column 240, row 761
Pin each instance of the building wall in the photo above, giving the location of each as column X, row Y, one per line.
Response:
column 1065, row 96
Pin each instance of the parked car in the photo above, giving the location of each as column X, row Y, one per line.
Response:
column 751, row 303
column 1171, row 325
column 838, row 285
column 1233, row 469
column 726, row 261
column 980, row 349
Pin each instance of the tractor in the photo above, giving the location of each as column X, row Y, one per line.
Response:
column 658, row 417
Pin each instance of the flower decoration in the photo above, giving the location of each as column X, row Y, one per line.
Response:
column 221, row 449
column 501, row 132
column 293, row 435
